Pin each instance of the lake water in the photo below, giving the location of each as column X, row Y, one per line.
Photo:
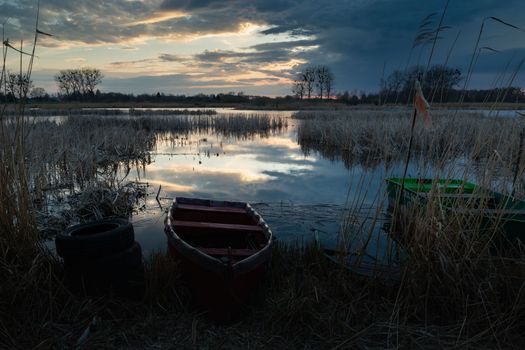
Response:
column 300, row 194
column 295, row 193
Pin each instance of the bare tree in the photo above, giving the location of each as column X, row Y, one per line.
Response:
column 320, row 78
column 299, row 88
column 321, row 75
column 92, row 78
column 64, row 83
column 393, row 85
column 308, row 77
column 17, row 85
column 38, row 93
column 78, row 82
column 329, row 82
column 437, row 78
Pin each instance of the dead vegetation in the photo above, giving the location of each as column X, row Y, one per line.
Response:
column 378, row 137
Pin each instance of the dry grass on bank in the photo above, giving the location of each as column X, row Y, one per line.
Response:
column 457, row 273
column 309, row 303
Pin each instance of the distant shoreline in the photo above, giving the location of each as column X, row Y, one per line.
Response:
column 285, row 106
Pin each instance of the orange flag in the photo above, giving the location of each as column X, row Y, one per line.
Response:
column 422, row 106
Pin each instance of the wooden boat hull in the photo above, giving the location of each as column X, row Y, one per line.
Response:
column 220, row 278
column 493, row 209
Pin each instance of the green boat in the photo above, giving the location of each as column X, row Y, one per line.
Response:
column 494, row 209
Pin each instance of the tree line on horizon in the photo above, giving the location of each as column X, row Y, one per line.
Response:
column 440, row 84
column 73, row 84
column 313, row 83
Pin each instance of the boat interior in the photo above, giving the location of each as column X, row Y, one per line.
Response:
column 218, row 230
column 466, row 197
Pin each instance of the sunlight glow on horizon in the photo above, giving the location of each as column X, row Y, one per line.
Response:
column 143, row 56
column 242, row 56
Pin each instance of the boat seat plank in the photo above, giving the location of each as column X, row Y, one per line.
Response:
column 224, row 251
column 203, row 208
column 233, row 228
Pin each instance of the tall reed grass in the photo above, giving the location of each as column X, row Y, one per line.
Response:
column 74, row 150
column 66, row 157
column 380, row 137
column 455, row 273
column 29, row 285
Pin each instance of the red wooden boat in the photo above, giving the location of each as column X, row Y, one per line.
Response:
column 224, row 249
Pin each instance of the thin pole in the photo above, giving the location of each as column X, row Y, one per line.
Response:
column 409, row 152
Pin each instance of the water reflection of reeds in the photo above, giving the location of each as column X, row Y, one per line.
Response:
column 81, row 165
column 74, row 153
column 378, row 137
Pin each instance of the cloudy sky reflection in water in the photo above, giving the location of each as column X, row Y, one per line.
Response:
column 261, row 169
column 272, row 172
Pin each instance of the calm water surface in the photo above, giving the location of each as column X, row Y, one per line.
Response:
column 272, row 173
column 300, row 194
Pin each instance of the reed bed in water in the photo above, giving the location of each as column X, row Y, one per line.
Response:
column 455, row 274
column 77, row 150
column 373, row 137
column 458, row 274
column 81, row 154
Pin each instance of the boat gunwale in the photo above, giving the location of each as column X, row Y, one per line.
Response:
column 211, row 263
column 424, row 196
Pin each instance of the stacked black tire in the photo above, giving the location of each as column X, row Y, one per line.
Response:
column 102, row 258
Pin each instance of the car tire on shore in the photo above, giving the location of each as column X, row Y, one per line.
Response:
column 95, row 239
column 102, row 258
column 120, row 274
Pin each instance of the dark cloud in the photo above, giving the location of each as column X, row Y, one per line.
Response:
column 130, row 63
column 166, row 57
column 265, row 56
column 354, row 37
column 284, row 45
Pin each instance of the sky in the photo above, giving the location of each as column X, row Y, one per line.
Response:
column 258, row 47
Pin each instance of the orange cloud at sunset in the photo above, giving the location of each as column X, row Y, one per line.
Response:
column 160, row 17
